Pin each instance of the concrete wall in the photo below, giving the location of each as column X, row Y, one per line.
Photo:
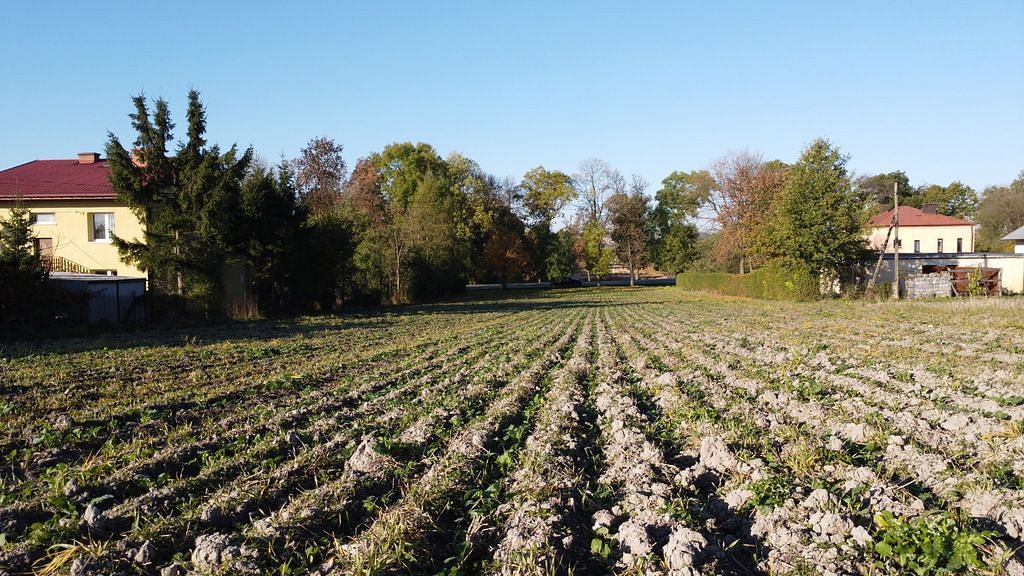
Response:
column 928, row 285
column 71, row 232
column 1012, row 266
column 928, row 236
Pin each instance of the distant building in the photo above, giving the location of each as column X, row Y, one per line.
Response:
column 922, row 231
column 1017, row 237
column 75, row 213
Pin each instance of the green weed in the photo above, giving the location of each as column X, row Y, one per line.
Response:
column 930, row 544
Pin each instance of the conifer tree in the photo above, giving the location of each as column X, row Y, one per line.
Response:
column 188, row 203
column 22, row 275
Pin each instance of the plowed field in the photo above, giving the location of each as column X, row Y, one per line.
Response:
column 603, row 431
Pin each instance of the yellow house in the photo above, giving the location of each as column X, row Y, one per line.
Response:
column 922, row 231
column 75, row 213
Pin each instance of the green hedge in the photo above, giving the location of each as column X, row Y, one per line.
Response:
column 774, row 281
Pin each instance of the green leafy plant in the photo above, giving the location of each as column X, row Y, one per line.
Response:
column 931, row 544
column 770, row 491
column 600, row 544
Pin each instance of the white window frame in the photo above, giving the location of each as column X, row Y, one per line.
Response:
column 938, row 246
column 109, row 225
column 51, row 221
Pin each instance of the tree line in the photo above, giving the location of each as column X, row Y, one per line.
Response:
column 404, row 225
column 812, row 213
column 407, row 225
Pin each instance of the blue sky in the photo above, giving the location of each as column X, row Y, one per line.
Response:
column 932, row 88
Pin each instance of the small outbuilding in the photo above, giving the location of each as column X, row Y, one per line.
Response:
column 1017, row 236
column 102, row 299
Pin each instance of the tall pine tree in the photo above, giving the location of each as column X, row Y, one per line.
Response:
column 188, row 203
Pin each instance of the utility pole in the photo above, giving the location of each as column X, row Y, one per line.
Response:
column 896, row 246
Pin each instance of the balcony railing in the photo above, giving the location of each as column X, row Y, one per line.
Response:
column 61, row 264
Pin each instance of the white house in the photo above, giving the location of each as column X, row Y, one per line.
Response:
column 1018, row 240
column 922, row 231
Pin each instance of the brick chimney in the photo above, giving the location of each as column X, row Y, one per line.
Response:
column 88, row 157
column 929, row 208
column 137, row 158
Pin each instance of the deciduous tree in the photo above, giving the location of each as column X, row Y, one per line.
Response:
column 595, row 182
column 956, row 199
column 597, row 256
column 678, row 202
column 818, row 217
column 629, row 216
column 545, row 194
column 745, row 190
column 1000, row 212
column 320, row 175
column 561, row 257
column 424, row 230
column 875, row 191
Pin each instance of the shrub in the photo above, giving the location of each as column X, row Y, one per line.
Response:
column 777, row 280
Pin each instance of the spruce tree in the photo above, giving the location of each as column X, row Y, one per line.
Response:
column 144, row 180
column 23, row 279
column 188, row 203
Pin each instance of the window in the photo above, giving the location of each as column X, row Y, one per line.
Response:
column 44, row 247
column 102, row 227
column 917, row 246
column 940, row 246
column 104, row 272
column 43, row 218
column 959, row 244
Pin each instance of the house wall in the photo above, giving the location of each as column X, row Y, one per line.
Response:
column 1012, row 266
column 928, row 236
column 71, row 232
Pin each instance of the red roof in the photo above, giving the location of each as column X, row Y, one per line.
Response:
column 57, row 180
column 910, row 216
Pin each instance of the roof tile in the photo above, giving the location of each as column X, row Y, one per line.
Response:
column 57, row 179
column 910, row 216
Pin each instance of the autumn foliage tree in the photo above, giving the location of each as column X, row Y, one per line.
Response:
column 744, row 192
column 629, row 217
column 320, row 175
